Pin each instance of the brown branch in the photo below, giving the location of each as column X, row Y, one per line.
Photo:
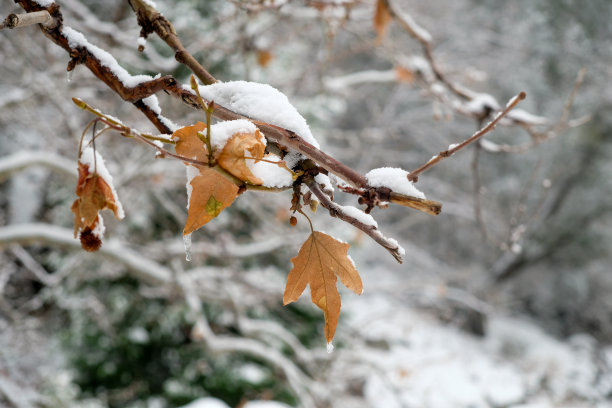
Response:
column 414, row 175
column 372, row 231
column 422, row 36
column 81, row 55
column 151, row 21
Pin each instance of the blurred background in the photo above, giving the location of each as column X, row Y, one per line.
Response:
column 502, row 301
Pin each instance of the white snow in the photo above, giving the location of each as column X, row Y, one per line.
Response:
column 261, row 102
column 481, row 103
column 453, row 145
column 520, row 115
column 192, row 171
column 413, row 26
column 98, row 166
column 77, row 39
column 187, row 243
column 150, row 3
column 399, row 248
column 221, row 132
column 44, row 3
column 394, row 178
column 100, row 229
column 325, row 183
column 207, row 402
column 356, row 78
column 138, row 335
column 153, row 103
column 271, row 174
column 359, row 215
column 252, row 373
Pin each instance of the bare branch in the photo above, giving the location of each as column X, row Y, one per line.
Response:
column 414, row 175
column 372, row 231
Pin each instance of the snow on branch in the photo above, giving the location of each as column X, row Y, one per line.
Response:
column 26, row 158
column 359, row 220
column 142, row 268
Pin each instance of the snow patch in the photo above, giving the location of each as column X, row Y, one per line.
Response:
column 207, row 402
column 271, row 174
column 261, row 102
column 359, row 215
column 44, row 3
column 221, row 132
column 394, row 178
column 482, row 104
column 100, row 228
column 77, row 39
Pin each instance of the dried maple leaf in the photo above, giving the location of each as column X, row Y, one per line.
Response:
column 382, row 18
column 319, row 262
column 211, row 193
column 232, row 157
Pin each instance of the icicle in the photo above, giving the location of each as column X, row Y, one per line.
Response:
column 69, row 75
column 330, row 347
column 187, row 242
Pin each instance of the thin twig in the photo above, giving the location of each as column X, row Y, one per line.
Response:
column 414, row 175
column 372, row 231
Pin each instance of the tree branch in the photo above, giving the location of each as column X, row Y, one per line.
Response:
column 371, row 230
column 414, row 175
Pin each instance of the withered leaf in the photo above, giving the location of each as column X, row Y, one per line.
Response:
column 94, row 194
column 321, row 260
column 382, row 18
column 264, row 57
column 232, row 157
column 188, row 144
column 211, row 193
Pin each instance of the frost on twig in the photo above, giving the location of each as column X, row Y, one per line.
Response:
column 359, row 220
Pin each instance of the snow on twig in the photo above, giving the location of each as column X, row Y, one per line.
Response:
column 367, row 225
column 26, row 158
column 141, row 267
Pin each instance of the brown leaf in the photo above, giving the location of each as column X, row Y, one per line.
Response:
column 211, row 193
column 319, row 262
column 382, row 18
column 403, row 74
column 94, row 195
column 188, row 144
column 264, row 57
column 232, row 157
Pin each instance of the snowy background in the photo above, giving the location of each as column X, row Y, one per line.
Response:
column 503, row 299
